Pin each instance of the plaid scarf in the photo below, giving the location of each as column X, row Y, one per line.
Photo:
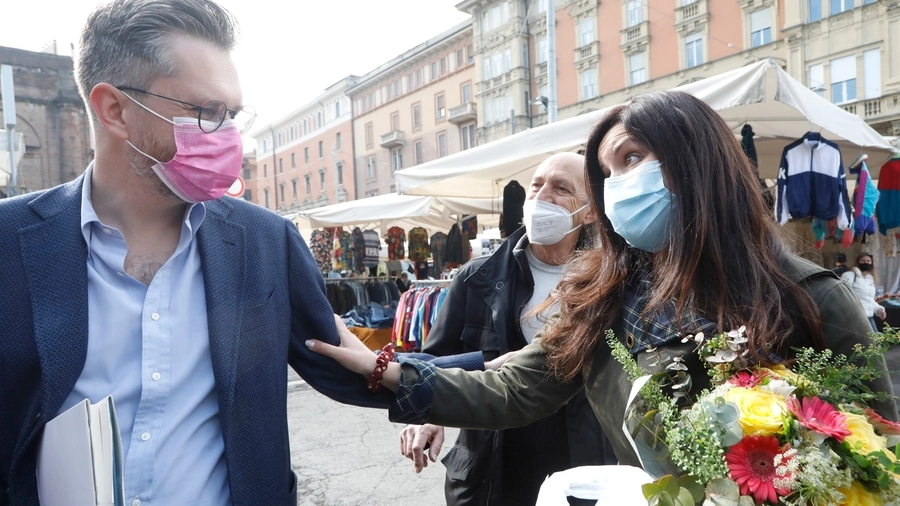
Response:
column 661, row 328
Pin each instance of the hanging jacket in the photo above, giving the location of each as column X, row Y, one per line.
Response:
column 812, row 182
column 888, row 210
column 453, row 246
column 864, row 198
column 513, row 202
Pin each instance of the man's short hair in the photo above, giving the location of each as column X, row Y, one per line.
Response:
column 127, row 42
column 840, row 258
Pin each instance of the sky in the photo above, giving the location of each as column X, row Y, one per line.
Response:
column 288, row 52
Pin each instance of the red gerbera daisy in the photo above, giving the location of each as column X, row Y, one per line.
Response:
column 745, row 379
column 884, row 427
column 816, row 414
column 751, row 464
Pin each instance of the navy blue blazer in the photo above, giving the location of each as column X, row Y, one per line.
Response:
column 264, row 296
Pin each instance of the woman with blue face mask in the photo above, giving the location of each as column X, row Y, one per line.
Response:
column 687, row 245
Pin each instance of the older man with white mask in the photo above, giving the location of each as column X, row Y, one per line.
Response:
column 490, row 308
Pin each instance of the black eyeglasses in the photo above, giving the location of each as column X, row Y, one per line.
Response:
column 211, row 114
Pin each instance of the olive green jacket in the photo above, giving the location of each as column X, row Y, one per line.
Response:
column 523, row 391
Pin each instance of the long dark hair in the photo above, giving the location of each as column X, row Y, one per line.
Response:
column 723, row 258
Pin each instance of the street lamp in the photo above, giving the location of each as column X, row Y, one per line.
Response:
column 541, row 100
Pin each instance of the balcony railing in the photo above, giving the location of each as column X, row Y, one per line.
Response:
column 635, row 34
column 587, row 51
column 463, row 113
column 541, row 69
column 689, row 11
column 392, row 139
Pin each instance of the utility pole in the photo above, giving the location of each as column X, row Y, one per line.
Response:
column 551, row 62
column 274, row 167
column 9, row 119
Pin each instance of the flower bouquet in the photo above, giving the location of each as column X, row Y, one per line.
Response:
column 802, row 436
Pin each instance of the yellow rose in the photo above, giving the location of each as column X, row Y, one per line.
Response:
column 761, row 410
column 857, row 495
column 785, row 373
column 862, row 431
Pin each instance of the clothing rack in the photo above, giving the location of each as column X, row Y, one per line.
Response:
column 370, row 278
column 430, row 281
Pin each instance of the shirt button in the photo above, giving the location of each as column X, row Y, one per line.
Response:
column 155, row 376
column 136, row 502
column 145, row 436
column 107, row 231
column 155, row 316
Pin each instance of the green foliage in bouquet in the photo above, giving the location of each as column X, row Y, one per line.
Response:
column 796, row 437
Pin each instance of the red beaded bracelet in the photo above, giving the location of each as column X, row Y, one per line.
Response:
column 385, row 356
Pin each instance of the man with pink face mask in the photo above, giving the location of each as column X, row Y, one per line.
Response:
column 489, row 309
column 141, row 281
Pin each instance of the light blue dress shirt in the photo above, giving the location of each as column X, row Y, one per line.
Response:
column 148, row 347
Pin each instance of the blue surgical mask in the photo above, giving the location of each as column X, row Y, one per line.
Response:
column 640, row 206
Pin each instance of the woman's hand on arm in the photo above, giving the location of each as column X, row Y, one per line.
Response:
column 355, row 356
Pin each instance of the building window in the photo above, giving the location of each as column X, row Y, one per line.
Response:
column 372, row 193
column 340, row 173
column 369, row 136
column 872, row 73
column 293, row 160
column 542, row 50
column 542, row 5
column 395, row 121
column 337, row 141
column 507, row 59
column 419, row 77
column 281, row 187
column 416, row 116
column 839, row 6
column 467, row 136
column 265, row 170
column 635, row 13
column 305, row 127
column 321, row 149
column 292, row 132
column 294, row 186
column 319, row 120
column 248, row 195
column 586, row 32
column 281, row 165
column 308, row 184
column 370, row 167
column 466, row 94
column 815, row 10
column 761, row 27
column 588, row 84
column 306, row 155
column 337, row 109
column 417, row 152
column 487, row 68
column 396, row 159
column 460, row 59
column 637, row 65
column 817, row 79
column 488, row 112
column 439, row 109
column 693, row 49
column 434, row 74
column 245, row 173
column 442, row 144
column 843, row 80
column 497, row 67
column 322, row 180
column 266, row 194
column 470, row 54
column 443, row 66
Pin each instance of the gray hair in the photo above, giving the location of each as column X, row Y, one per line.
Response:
column 127, row 42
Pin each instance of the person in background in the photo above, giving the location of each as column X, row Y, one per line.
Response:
column 402, row 281
column 686, row 245
column 490, row 308
column 140, row 280
column 863, row 279
column 840, row 264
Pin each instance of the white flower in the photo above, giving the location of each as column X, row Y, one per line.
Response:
column 780, row 388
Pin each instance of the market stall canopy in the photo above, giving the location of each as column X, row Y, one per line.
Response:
column 405, row 211
column 778, row 107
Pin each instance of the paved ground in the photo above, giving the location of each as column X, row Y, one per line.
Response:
column 349, row 456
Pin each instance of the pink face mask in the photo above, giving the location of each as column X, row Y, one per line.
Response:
column 205, row 164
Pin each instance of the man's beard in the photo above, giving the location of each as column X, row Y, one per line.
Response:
column 142, row 167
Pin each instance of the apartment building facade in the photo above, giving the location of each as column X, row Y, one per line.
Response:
column 606, row 52
column 305, row 159
column 417, row 107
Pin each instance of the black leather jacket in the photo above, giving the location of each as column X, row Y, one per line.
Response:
column 481, row 313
